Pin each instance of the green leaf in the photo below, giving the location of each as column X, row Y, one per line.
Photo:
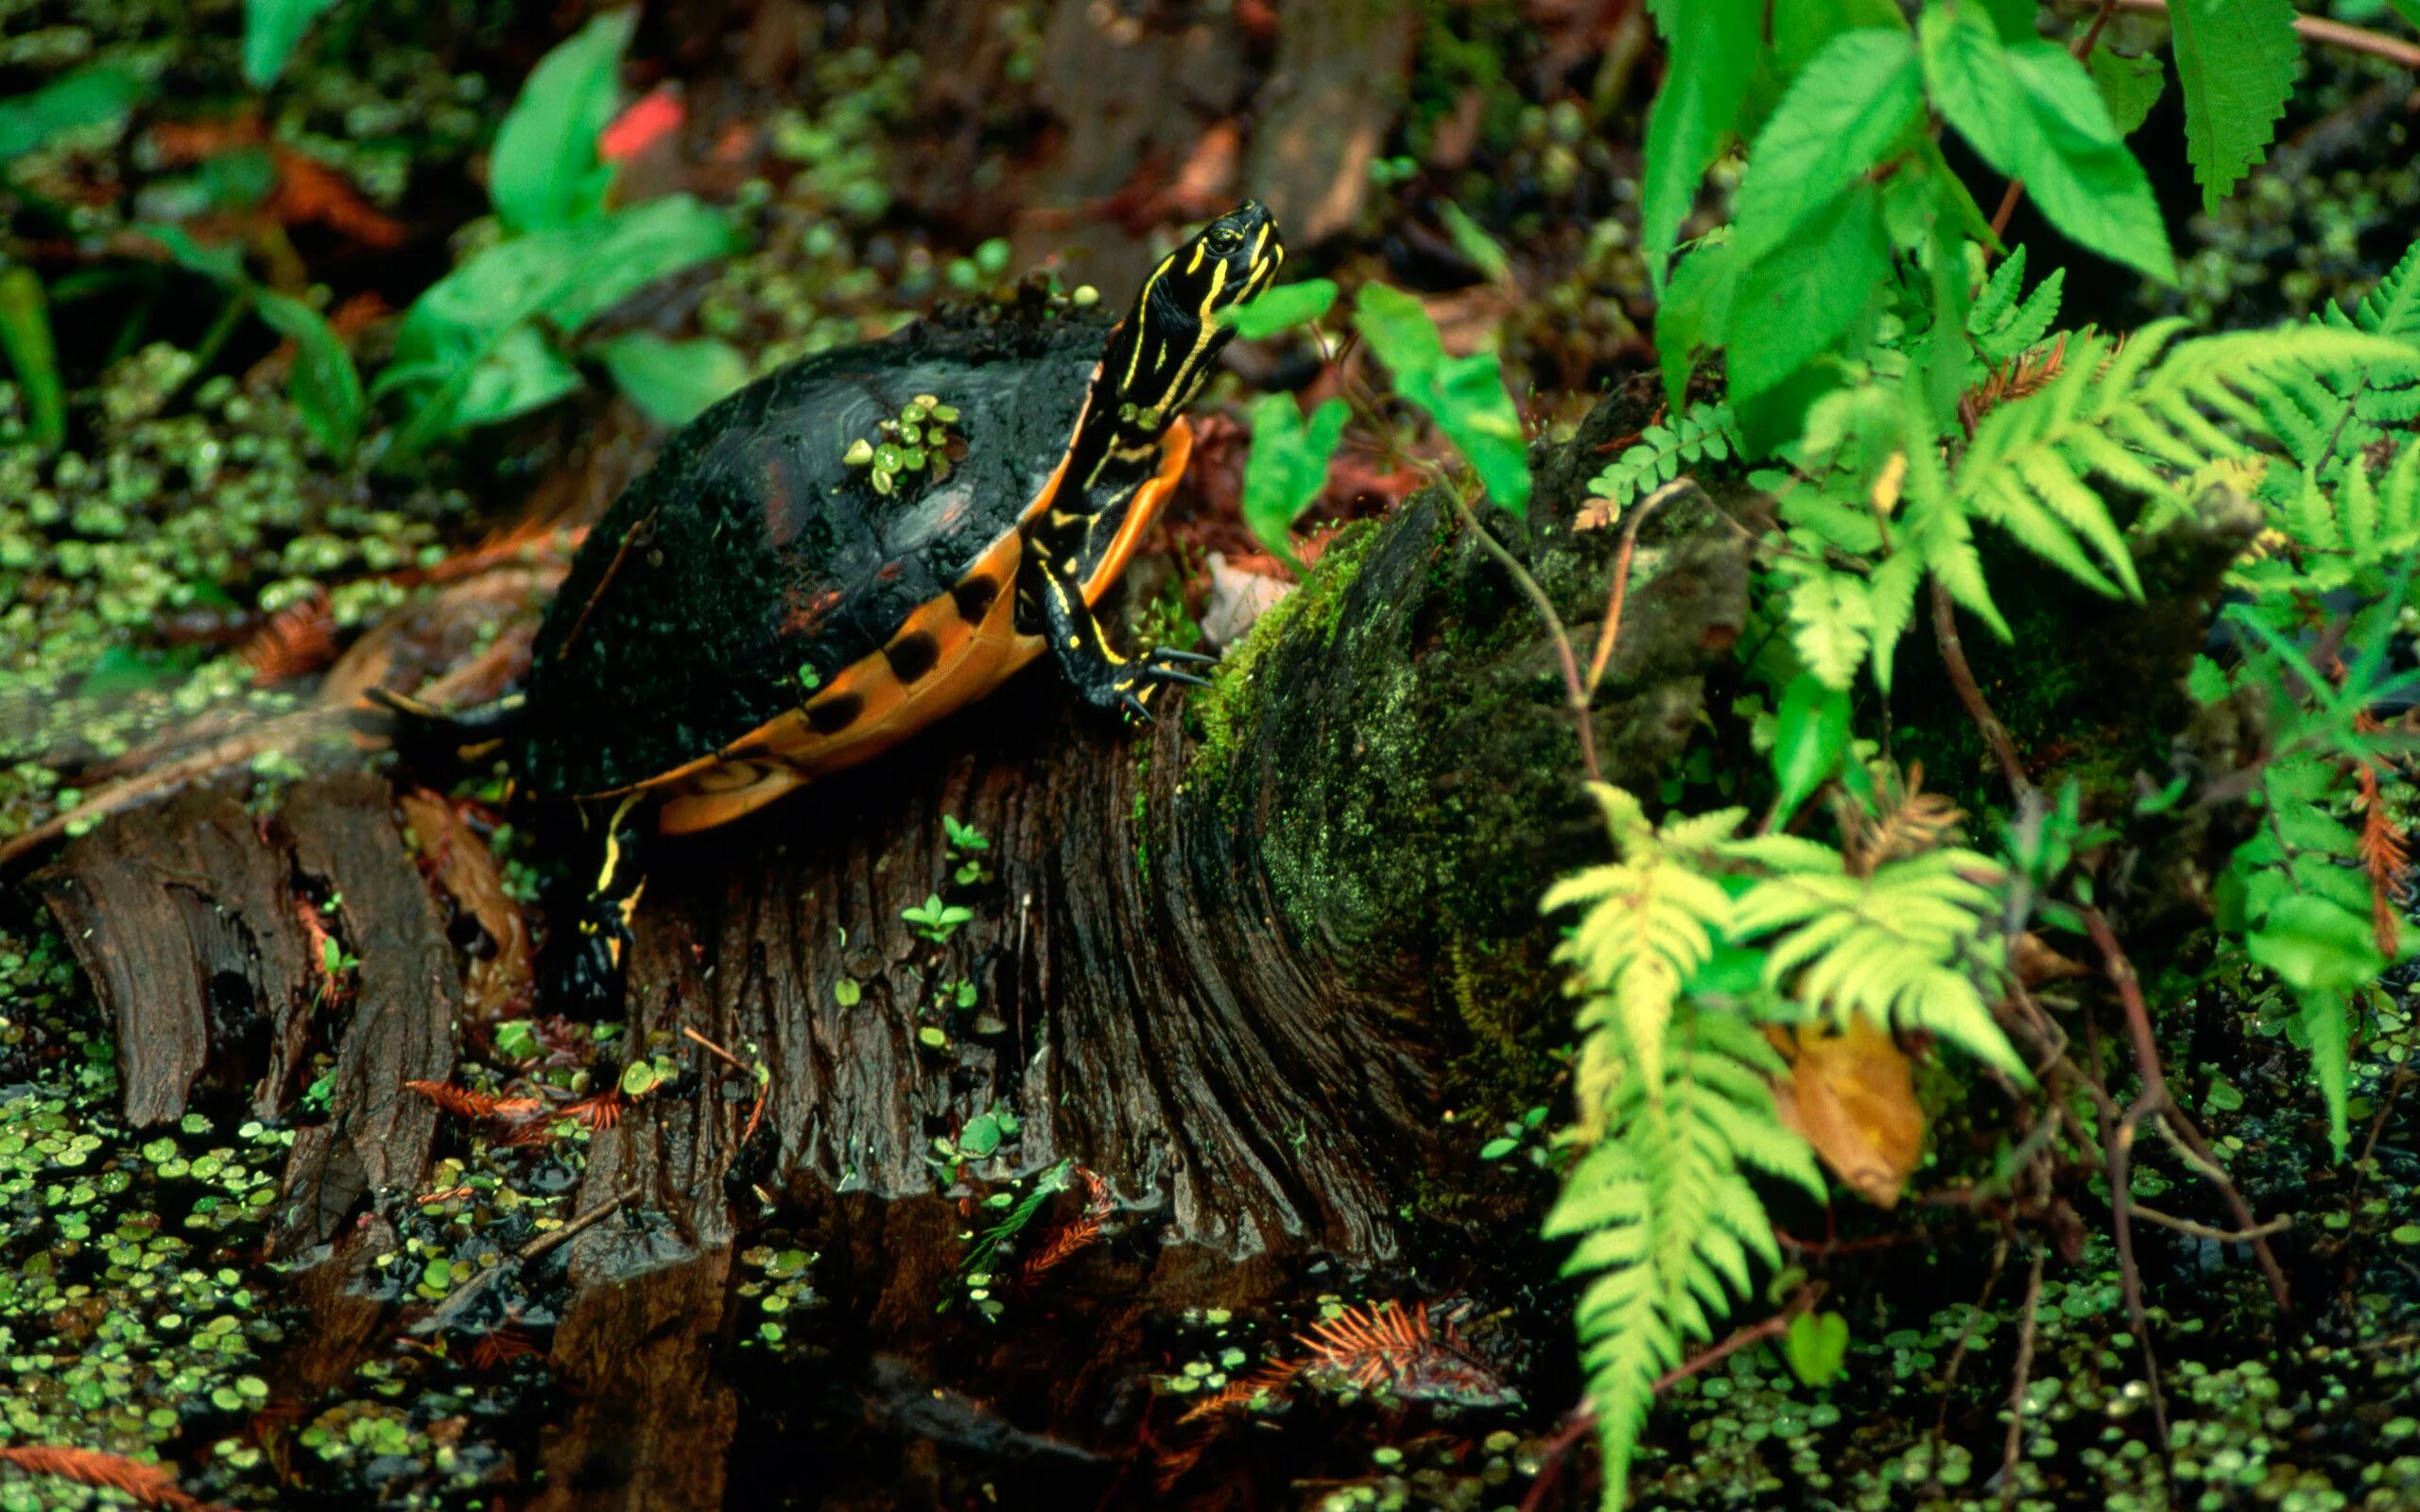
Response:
column 1817, row 1345
column 638, row 1078
column 2032, row 112
column 1794, row 304
column 88, row 97
column 1810, row 735
column 1695, row 308
column 672, row 382
column 2317, row 946
column 2327, row 1021
column 1711, row 51
column 521, row 373
column 1485, row 252
column 545, row 172
column 1465, row 395
column 271, row 30
column 2130, row 86
column 25, row 342
column 640, row 245
column 2234, row 62
column 1850, row 104
column 325, row 386
column 1496, row 1149
column 1281, row 308
column 1288, row 466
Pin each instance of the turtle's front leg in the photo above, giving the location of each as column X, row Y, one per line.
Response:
column 1102, row 675
column 594, row 958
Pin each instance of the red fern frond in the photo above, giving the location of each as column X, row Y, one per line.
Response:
column 497, row 1345
column 308, row 189
column 297, row 639
column 1398, row 1348
column 1269, row 1382
column 1077, row 1236
column 151, row 1485
column 599, row 1112
column 486, row 1108
column 2028, row 372
column 2385, row 856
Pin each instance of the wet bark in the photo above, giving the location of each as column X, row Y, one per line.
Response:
column 1225, row 963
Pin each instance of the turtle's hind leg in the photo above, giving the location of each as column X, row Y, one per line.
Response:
column 595, row 951
column 453, row 738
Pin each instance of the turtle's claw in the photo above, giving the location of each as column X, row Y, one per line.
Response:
column 1133, row 704
column 1172, row 675
column 1169, row 653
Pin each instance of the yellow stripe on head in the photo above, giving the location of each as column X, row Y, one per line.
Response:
column 1208, row 333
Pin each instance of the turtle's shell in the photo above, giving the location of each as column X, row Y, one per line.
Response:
column 751, row 611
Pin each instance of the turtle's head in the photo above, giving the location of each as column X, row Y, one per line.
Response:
column 1162, row 353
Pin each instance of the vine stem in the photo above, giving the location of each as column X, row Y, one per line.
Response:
column 1575, row 691
column 1620, row 591
column 2016, row 1443
column 1970, row 693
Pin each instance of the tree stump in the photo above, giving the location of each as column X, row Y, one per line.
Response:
column 1229, row 963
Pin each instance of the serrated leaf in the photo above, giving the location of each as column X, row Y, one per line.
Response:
column 2032, row 111
column 2129, row 84
column 1793, row 304
column 2235, row 65
column 1710, row 54
column 1850, row 105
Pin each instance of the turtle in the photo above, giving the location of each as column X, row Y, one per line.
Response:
column 841, row 552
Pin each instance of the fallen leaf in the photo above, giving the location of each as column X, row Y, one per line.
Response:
column 1852, row 1095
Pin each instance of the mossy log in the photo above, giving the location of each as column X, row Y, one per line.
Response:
column 1234, row 963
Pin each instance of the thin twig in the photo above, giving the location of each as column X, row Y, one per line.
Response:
column 2325, row 32
column 2010, row 1451
column 2082, row 49
column 717, row 1051
column 1575, row 691
column 459, row 1302
column 2217, row 1236
column 1962, row 677
column 1613, row 626
column 1805, row 1299
column 1957, row 1359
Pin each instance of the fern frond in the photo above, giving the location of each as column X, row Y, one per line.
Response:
column 1648, row 922
column 1703, row 433
column 1909, row 944
column 1667, row 1220
column 2124, row 415
column 2001, row 324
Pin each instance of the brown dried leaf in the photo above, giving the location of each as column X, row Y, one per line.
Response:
column 1853, row 1097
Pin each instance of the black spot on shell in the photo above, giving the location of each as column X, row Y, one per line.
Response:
column 912, row 656
column 973, row 596
column 833, row 714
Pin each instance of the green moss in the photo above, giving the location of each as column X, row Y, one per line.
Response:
column 1223, row 711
